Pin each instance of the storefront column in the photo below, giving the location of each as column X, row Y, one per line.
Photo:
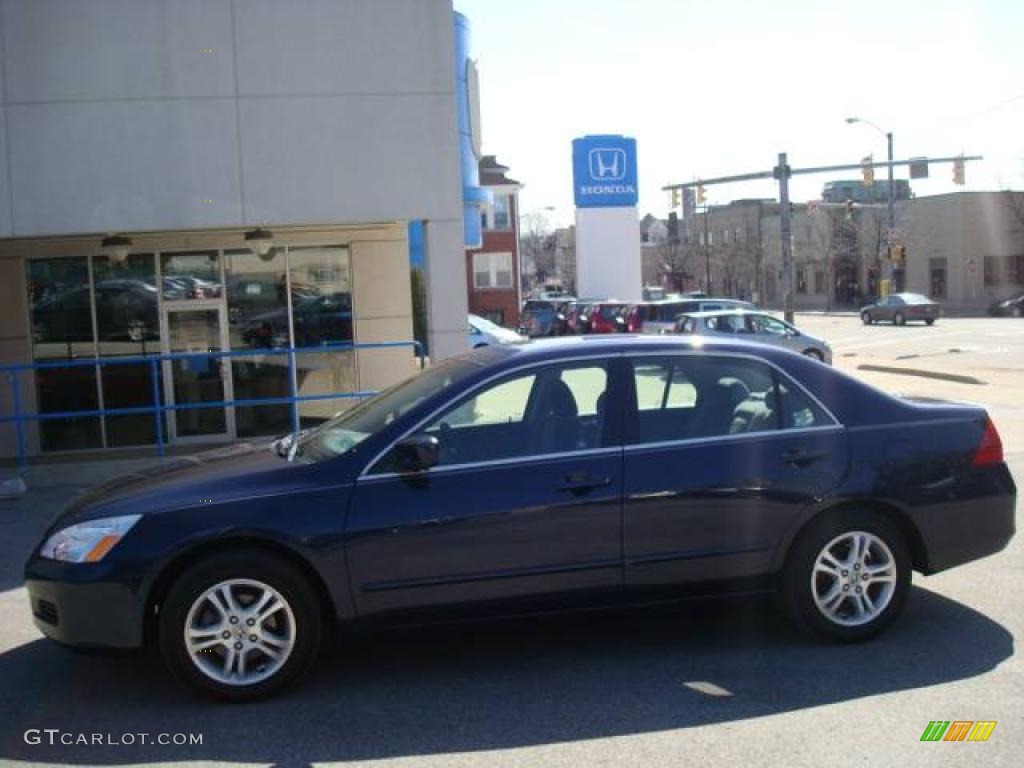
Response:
column 447, row 303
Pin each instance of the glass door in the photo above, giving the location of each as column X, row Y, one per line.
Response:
column 197, row 329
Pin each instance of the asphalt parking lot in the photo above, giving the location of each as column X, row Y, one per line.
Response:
column 722, row 683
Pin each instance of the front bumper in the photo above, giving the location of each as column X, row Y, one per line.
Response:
column 84, row 604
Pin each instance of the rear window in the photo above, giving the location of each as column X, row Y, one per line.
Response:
column 538, row 306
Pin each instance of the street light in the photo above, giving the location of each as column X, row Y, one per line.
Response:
column 892, row 187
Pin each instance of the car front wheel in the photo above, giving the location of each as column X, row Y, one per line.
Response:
column 239, row 626
column 847, row 576
column 898, row 319
column 814, row 354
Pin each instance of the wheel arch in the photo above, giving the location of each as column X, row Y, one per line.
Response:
column 903, row 522
column 186, row 558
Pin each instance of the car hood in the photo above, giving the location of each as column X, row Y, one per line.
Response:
column 214, row 477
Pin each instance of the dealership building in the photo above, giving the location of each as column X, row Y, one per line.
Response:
column 223, row 183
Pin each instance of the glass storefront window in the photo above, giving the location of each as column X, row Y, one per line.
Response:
column 127, row 325
column 258, row 318
column 190, row 275
column 322, row 315
column 62, row 329
column 96, row 306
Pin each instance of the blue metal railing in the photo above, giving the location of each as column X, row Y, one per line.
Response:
column 158, row 408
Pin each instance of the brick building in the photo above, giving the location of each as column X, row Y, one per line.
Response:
column 492, row 271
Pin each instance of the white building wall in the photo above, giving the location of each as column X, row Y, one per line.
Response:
column 136, row 115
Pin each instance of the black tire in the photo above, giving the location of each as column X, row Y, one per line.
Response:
column 865, row 317
column 929, row 321
column 797, row 588
column 1017, row 312
column 899, row 319
column 275, row 572
column 813, row 353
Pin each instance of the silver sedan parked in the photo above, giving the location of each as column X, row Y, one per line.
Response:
column 754, row 326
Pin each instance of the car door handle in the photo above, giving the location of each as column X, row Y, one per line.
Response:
column 580, row 482
column 802, row 457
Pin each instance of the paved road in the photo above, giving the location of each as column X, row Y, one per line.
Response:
column 723, row 684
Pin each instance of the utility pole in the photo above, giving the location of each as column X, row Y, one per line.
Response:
column 781, row 172
column 892, row 205
column 707, row 256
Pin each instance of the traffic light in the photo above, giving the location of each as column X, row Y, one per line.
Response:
column 676, row 202
column 958, row 171
column 867, row 170
column 701, row 197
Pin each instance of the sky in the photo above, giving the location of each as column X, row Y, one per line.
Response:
column 721, row 88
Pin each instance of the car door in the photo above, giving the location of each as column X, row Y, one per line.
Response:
column 722, row 455
column 525, row 501
column 768, row 330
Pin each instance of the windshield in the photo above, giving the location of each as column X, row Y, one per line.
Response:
column 915, row 298
column 346, row 430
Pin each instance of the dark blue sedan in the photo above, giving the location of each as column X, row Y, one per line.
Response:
column 573, row 473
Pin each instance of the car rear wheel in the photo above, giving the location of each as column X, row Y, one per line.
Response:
column 239, row 626
column 865, row 317
column 929, row 321
column 899, row 319
column 847, row 576
column 813, row 353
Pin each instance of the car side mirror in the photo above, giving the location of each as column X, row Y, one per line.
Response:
column 417, row 452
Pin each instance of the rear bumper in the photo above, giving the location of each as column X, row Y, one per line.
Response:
column 84, row 605
column 962, row 531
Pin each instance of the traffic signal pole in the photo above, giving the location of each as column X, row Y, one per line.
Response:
column 782, row 172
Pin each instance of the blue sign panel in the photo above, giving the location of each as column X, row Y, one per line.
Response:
column 604, row 171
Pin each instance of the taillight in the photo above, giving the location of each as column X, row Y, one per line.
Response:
column 633, row 322
column 990, row 449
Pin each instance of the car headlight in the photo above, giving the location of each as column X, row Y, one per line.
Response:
column 87, row 542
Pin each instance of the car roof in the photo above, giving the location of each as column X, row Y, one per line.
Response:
column 560, row 347
column 720, row 312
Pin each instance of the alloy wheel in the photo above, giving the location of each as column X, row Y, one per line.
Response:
column 854, row 578
column 240, row 632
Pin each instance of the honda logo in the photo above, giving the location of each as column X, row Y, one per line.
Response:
column 607, row 163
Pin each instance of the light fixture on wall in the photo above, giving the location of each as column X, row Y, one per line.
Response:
column 260, row 241
column 116, row 247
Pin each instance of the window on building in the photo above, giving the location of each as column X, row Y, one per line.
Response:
column 127, row 324
column 1015, row 268
column 700, row 238
column 801, row 280
column 725, row 237
column 740, row 235
column 501, row 211
column 492, row 270
column 62, row 329
column 819, row 281
column 991, row 270
column 321, row 296
column 937, row 278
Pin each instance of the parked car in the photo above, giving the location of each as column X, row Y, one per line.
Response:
column 901, row 308
column 1012, row 306
column 661, row 316
column 316, row 320
column 600, row 317
column 553, row 476
column 538, row 318
column 754, row 326
column 483, row 333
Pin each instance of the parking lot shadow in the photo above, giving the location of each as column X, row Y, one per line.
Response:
column 494, row 686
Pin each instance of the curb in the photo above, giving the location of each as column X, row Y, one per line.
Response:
column 960, row 379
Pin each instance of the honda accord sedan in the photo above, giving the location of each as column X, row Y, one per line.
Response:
column 574, row 473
